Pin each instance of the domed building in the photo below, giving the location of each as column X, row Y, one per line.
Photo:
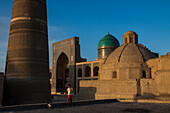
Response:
column 63, row 71
column 127, row 70
column 107, row 45
column 128, row 61
column 120, row 71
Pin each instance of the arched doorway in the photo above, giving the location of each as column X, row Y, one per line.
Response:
column 62, row 73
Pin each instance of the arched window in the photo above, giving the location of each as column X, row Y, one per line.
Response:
column 144, row 74
column 130, row 39
column 96, row 71
column 114, row 74
column 87, row 71
column 79, row 72
column 125, row 40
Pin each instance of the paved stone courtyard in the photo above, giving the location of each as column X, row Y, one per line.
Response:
column 117, row 107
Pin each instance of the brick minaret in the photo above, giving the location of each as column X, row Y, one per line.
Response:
column 27, row 65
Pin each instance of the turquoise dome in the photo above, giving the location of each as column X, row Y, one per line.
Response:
column 108, row 40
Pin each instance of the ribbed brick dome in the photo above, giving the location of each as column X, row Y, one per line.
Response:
column 130, row 53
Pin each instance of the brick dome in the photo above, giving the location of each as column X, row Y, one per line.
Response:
column 128, row 62
column 130, row 53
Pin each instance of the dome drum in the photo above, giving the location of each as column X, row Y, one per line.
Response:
column 105, row 52
column 125, row 73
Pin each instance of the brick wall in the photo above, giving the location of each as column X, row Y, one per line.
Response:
column 107, row 89
column 163, row 81
column 148, row 88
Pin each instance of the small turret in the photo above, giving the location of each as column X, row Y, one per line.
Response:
column 130, row 37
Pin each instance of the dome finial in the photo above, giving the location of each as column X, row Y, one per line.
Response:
column 108, row 33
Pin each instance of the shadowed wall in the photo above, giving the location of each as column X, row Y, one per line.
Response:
column 1, row 87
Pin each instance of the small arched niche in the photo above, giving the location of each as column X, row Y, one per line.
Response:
column 87, row 71
column 79, row 72
column 96, row 71
column 114, row 74
column 143, row 74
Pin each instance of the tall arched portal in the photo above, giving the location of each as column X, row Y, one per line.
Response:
column 62, row 72
column 66, row 54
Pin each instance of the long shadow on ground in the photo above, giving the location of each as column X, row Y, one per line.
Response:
column 54, row 105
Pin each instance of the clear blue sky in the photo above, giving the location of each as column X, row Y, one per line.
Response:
column 92, row 19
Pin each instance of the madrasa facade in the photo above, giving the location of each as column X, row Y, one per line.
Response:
column 120, row 71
